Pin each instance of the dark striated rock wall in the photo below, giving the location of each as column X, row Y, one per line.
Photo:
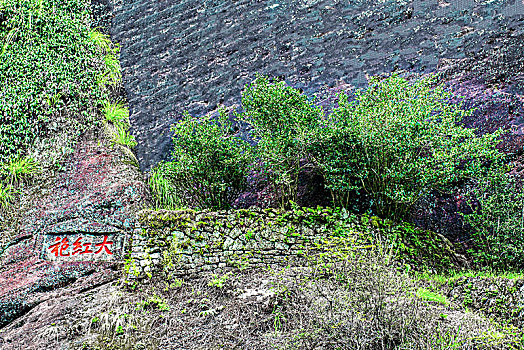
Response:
column 192, row 55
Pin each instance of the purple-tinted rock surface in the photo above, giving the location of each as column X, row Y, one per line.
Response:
column 192, row 55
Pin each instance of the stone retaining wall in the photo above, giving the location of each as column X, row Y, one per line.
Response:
column 189, row 242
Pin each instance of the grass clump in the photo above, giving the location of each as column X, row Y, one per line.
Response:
column 112, row 74
column 166, row 195
column 116, row 112
column 13, row 174
column 6, row 195
column 117, row 117
column 121, row 136
column 102, row 41
column 17, row 169
column 428, row 295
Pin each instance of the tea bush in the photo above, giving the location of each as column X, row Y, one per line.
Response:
column 209, row 164
column 399, row 140
column 50, row 67
column 497, row 219
column 283, row 120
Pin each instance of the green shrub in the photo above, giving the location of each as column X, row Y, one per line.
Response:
column 209, row 164
column 497, row 220
column 48, row 70
column 282, row 120
column 399, row 140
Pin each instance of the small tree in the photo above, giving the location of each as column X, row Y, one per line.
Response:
column 398, row 140
column 282, row 119
column 209, row 167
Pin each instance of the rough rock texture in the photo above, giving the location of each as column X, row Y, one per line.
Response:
column 60, row 315
column 97, row 193
column 192, row 55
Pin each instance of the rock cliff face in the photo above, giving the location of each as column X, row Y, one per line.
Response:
column 95, row 195
column 192, row 55
column 196, row 54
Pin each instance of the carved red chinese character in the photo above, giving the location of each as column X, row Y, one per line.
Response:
column 87, row 250
column 103, row 246
column 60, row 246
column 78, row 246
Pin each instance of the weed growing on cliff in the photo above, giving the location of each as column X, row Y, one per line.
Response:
column 112, row 73
column 154, row 301
column 116, row 112
column 219, row 281
column 122, row 137
column 116, row 116
column 209, row 167
column 17, row 169
column 102, row 41
column 6, row 195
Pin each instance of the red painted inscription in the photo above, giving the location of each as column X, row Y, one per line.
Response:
column 61, row 247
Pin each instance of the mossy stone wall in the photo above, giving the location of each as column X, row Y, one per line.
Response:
column 189, row 242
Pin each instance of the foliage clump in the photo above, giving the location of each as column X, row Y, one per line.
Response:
column 209, row 167
column 397, row 141
column 49, row 41
column 497, row 220
column 283, row 121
